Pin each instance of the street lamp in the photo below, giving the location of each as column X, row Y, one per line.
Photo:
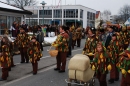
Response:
column 43, row 5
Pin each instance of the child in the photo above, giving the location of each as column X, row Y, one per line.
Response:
column 114, row 48
column 101, row 64
column 34, row 53
column 5, row 58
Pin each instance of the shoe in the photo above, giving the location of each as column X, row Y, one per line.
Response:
column 22, row 62
column 13, row 65
column 117, row 79
column 61, row 71
column 27, row 62
column 56, row 69
column 111, row 81
column 34, row 73
column 9, row 69
column 2, row 79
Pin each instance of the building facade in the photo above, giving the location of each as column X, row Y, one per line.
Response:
column 61, row 14
column 9, row 14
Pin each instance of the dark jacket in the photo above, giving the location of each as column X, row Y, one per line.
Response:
column 70, row 39
column 40, row 36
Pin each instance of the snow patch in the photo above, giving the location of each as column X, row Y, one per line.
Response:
column 50, row 39
column 4, row 5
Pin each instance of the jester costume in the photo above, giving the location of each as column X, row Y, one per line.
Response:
column 124, row 66
column 79, row 36
column 34, row 54
column 61, row 44
column 22, row 41
column 5, row 61
column 74, row 36
column 114, row 48
column 101, row 65
column 90, row 46
column 124, row 37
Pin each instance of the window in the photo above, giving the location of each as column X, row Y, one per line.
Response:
column 57, row 13
column 70, row 13
column 94, row 16
column 88, row 15
column 47, row 13
column 81, row 13
column 46, row 21
column 3, row 23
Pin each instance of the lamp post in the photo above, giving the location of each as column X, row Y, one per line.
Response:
column 43, row 5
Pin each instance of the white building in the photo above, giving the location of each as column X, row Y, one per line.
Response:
column 97, row 19
column 127, row 22
column 9, row 14
column 106, row 17
column 61, row 15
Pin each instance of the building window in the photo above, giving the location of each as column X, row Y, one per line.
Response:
column 3, row 23
column 46, row 21
column 88, row 15
column 47, row 14
column 57, row 13
column 91, row 15
column 70, row 13
column 81, row 13
column 94, row 16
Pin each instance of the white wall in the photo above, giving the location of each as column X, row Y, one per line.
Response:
column 85, row 10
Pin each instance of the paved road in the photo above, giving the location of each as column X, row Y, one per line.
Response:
column 46, row 75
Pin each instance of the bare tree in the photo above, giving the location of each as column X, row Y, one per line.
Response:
column 125, row 12
column 106, row 14
column 22, row 3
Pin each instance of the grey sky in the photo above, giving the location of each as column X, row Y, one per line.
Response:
column 99, row 5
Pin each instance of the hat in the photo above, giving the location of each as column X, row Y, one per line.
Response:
column 21, row 29
column 33, row 37
column 114, row 34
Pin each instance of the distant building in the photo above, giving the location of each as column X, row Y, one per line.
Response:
column 9, row 14
column 127, row 22
column 97, row 19
column 61, row 15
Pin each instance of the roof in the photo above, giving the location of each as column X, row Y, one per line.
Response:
column 11, row 8
column 97, row 14
column 60, row 6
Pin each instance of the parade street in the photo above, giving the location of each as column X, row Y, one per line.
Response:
column 21, row 75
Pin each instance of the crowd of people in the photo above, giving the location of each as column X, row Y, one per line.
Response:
column 108, row 49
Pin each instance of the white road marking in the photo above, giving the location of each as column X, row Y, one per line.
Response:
column 29, row 75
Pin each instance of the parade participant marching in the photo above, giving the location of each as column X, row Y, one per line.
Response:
column 102, row 35
column 40, row 37
column 109, row 36
column 69, row 42
column 124, row 36
column 124, row 65
column 101, row 64
column 79, row 36
column 22, row 41
column 61, row 44
column 90, row 44
column 115, row 47
column 5, row 61
column 73, row 36
column 34, row 53
column 5, row 39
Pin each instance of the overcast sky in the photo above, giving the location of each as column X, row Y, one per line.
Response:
column 99, row 5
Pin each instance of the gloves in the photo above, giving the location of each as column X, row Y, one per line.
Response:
column 83, row 52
